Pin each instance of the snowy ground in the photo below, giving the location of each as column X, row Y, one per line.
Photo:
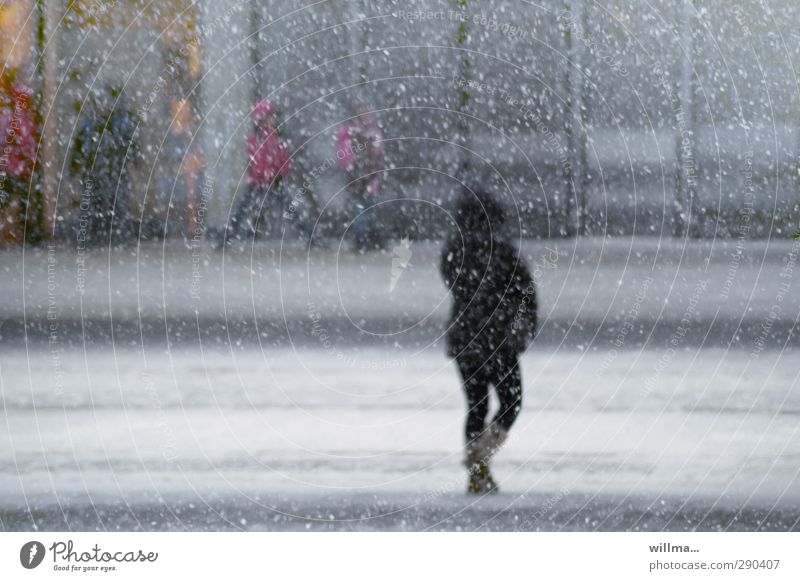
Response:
column 672, row 425
column 280, row 436
column 270, row 292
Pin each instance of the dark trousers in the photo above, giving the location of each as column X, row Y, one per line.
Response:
column 259, row 202
column 104, row 217
column 368, row 231
column 501, row 371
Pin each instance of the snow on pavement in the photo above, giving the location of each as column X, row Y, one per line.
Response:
column 130, row 432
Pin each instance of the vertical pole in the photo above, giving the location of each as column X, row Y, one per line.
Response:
column 685, row 189
column 227, row 91
column 577, row 121
column 358, row 43
column 256, row 24
column 464, row 76
column 49, row 15
column 561, row 83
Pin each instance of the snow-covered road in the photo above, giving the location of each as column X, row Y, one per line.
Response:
column 266, row 388
column 305, row 438
column 587, row 287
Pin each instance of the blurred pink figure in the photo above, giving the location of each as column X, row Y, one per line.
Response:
column 270, row 156
column 359, row 149
column 17, row 161
column 269, row 163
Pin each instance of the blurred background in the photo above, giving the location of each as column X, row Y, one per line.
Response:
column 665, row 118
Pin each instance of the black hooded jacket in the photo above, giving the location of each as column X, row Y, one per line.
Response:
column 494, row 298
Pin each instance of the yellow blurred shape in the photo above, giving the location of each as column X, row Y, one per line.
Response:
column 17, row 18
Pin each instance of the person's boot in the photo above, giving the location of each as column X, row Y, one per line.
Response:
column 492, row 440
column 480, row 479
column 479, row 453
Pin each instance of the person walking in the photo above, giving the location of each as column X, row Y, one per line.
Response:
column 269, row 164
column 17, row 163
column 359, row 149
column 182, row 162
column 105, row 148
column 493, row 320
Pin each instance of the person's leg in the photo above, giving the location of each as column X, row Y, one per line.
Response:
column 508, row 386
column 192, row 223
column 359, row 205
column 502, row 371
column 261, row 202
column 120, row 212
column 361, row 228
column 102, row 196
column 11, row 216
column 277, row 202
column 307, row 220
column 244, row 219
column 476, row 390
